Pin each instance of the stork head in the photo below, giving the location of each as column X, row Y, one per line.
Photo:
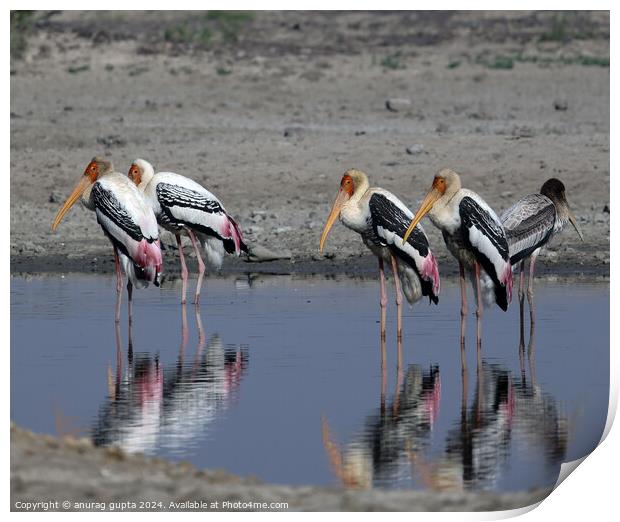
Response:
column 446, row 183
column 353, row 183
column 554, row 189
column 141, row 172
column 97, row 167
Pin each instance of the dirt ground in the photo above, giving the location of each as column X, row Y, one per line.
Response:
column 269, row 109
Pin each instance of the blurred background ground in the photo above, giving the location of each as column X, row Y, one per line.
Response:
column 268, row 109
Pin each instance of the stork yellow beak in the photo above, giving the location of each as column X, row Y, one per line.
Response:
column 430, row 199
column 573, row 220
column 340, row 200
column 79, row 189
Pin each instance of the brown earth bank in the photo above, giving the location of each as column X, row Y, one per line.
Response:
column 50, row 469
column 268, row 109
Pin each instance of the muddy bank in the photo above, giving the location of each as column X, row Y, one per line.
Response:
column 269, row 109
column 46, row 468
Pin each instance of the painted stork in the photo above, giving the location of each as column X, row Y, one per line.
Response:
column 474, row 235
column 530, row 224
column 182, row 205
column 381, row 219
column 126, row 220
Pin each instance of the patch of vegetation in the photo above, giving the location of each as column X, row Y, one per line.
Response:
column 78, row 69
column 558, row 31
column 600, row 61
column 229, row 22
column 453, row 64
column 223, row 71
column 569, row 26
column 392, row 61
column 22, row 23
column 498, row 61
column 201, row 31
column 508, row 61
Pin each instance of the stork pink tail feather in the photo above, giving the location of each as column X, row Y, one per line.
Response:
column 430, row 271
column 506, row 280
column 147, row 256
column 233, row 231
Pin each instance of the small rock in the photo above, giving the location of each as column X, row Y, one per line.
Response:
column 111, row 141
column 560, row 105
column 293, row 131
column 258, row 254
column 397, row 104
column 606, row 209
column 414, row 149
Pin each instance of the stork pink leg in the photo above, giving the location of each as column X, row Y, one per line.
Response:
column 521, row 304
column 530, row 301
column 184, row 272
column 130, row 301
column 383, row 374
column 530, row 289
column 383, row 301
column 478, row 307
column 201, row 265
column 184, row 335
column 399, row 298
column 463, row 302
column 119, row 286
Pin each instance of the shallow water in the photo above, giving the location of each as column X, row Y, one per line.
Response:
column 286, row 382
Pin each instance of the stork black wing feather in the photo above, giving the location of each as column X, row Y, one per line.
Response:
column 107, row 203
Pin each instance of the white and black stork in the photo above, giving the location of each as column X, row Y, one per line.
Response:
column 381, row 219
column 126, row 220
column 530, row 224
column 474, row 235
column 182, row 205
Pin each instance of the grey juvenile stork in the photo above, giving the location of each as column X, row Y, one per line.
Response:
column 381, row 219
column 530, row 224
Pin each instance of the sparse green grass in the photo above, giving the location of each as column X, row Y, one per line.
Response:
column 223, row 71
column 498, row 61
column 78, row 69
column 566, row 27
column 22, row 23
column 453, row 64
column 558, row 31
column 501, row 61
column 392, row 61
column 201, row 31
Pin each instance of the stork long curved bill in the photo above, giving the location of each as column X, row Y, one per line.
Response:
column 573, row 220
column 79, row 189
column 430, row 199
column 342, row 197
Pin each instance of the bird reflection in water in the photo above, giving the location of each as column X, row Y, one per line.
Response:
column 150, row 407
column 396, row 449
column 378, row 457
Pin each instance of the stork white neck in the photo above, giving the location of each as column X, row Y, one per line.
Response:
column 353, row 213
column 146, row 173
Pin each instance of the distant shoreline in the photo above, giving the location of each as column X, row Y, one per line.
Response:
column 365, row 266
